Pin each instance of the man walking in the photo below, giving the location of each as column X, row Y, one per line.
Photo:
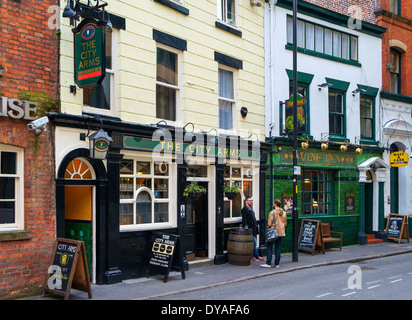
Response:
column 249, row 221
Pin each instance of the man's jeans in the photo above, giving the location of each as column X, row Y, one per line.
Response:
column 269, row 251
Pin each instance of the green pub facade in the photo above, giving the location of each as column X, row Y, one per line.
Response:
column 334, row 186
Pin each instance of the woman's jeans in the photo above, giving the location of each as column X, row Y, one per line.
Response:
column 269, row 251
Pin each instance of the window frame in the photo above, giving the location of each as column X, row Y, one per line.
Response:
column 151, row 190
column 323, row 53
column 341, row 114
column 177, row 88
column 112, row 74
column 222, row 14
column 393, row 72
column 18, row 223
column 232, row 101
column 328, row 192
column 373, row 118
column 228, row 180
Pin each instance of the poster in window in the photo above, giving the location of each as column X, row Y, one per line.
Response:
column 350, row 200
column 287, row 199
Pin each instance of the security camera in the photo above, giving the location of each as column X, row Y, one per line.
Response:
column 255, row 2
column 38, row 125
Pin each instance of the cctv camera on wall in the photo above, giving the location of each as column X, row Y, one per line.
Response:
column 38, row 125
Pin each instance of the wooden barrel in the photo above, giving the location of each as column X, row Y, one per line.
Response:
column 240, row 247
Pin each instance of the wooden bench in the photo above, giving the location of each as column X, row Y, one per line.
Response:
column 328, row 238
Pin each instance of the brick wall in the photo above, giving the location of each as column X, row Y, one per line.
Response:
column 398, row 28
column 29, row 63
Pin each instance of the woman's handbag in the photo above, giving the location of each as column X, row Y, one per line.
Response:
column 271, row 235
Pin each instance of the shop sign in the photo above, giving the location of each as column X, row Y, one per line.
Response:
column 147, row 144
column 313, row 157
column 17, row 109
column 350, row 200
column 399, row 159
column 89, row 53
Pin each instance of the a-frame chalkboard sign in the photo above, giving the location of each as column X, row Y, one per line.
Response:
column 310, row 236
column 165, row 255
column 68, row 269
column 397, row 227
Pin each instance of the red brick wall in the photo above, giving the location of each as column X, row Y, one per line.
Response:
column 29, row 58
column 397, row 29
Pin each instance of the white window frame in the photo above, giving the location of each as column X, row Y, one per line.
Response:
column 19, row 189
column 112, row 73
column 241, row 179
column 177, row 87
column 233, row 101
column 222, row 15
column 171, row 195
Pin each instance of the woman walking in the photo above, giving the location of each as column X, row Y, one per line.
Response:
column 277, row 219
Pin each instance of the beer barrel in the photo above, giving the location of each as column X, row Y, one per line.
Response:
column 240, row 247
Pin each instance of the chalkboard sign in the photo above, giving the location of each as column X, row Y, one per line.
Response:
column 165, row 255
column 309, row 236
column 68, row 269
column 397, row 227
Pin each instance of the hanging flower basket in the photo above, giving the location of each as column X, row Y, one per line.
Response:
column 231, row 192
column 193, row 191
column 231, row 195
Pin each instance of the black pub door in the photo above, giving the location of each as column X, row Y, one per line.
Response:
column 196, row 225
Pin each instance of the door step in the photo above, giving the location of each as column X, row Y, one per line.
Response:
column 200, row 262
column 372, row 240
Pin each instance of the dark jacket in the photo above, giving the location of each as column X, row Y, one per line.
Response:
column 249, row 219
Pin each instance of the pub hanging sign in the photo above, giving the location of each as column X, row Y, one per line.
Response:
column 89, row 53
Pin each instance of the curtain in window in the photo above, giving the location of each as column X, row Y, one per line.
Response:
column 300, row 34
column 345, row 46
column 319, row 39
column 226, row 92
column 310, row 40
column 336, row 44
column 328, row 41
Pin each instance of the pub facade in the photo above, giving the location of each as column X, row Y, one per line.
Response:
column 178, row 107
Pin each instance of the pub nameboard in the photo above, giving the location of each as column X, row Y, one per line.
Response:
column 397, row 227
column 165, row 255
column 89, row 53
column 68, row 269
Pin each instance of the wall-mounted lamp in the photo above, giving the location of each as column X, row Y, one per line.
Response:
column 255, row 3
column 357, row 90
column 81, row 10
column 99, row 142
column 243, row 112
column 324, row 145
column 359, row 149
column 159, row 133
column 324, row 85
column 305, row 144
column 344, row 147
column 189, row 135
column 257, row 142
column 215, row 139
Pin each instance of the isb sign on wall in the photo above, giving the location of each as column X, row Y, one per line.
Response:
column 89, row 53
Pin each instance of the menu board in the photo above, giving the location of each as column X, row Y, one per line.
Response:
column 68, row 268
column 309, row 235
column 164, row 255
column 397, row 227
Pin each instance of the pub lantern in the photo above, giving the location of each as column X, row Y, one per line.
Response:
column 99, row 144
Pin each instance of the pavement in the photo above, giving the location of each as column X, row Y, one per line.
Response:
column 204, row 274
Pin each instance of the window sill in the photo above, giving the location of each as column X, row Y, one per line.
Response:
column 369, row 142
column 324, row 56
column 228, row 28
column 15, row 235
column 174, row 6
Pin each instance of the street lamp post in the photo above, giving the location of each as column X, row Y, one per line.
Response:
column 295, row 140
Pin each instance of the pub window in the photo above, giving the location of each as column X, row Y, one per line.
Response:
column 243, row 178
column 226, row 99
column 316, row 191
column 226, row 11
column 167, row 83
column 319, row 39
column 11, row 188
column 367, row 121
column 102, row 96
column 395, row 71
column 144, row 193
column 336, row 114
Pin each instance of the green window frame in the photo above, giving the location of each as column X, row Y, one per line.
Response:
column 324, row 42
column 317, row 191
column 367, row 117
column 337, row 113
